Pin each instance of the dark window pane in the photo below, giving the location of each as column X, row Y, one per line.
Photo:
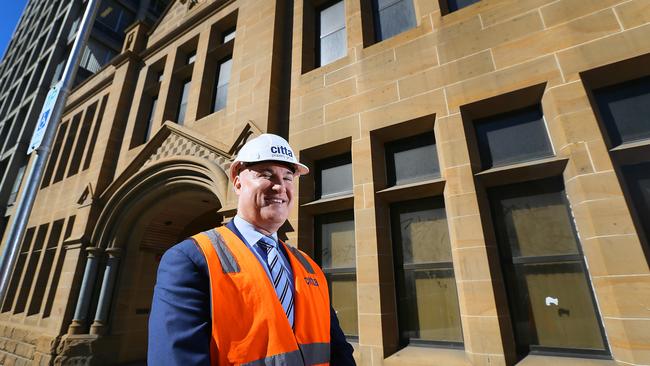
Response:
column 637, row 178
column 560, row 307
column 513, row 137
column 182, row 107
column 334, row 176
column 412, row 159
column 625, row 110
column 221, row 88
column 337, row 246
column 393, row 18
column 428, row 307
column 459, row 4
column 551, row 303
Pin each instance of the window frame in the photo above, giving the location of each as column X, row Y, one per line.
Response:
column 406, row 144
column 216, row 86
column 485, row 153
column 332, row 162
column 437, row 202
column 508, row 264
column 376, row 14
column 317, row 36
column 346, row 215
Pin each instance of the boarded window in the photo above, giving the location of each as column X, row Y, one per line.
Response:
column 550, row 298
column 336, row 254
column 427, row 299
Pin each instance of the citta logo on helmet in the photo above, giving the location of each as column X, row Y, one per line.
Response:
column 281, row 150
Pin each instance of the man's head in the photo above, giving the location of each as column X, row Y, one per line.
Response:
column 263, row 177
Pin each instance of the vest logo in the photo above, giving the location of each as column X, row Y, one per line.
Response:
column 281, row 150
column 311, row 281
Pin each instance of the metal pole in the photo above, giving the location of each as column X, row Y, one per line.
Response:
column 28, row 194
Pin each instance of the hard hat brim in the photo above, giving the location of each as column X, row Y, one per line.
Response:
column 301, row 169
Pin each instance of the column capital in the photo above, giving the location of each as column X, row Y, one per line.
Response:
column 114, row 252
column 94, row 251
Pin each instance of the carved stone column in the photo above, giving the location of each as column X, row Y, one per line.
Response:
column 83, row 302
column 106, row 293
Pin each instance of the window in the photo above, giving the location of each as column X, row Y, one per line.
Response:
column 453, row 5
column 637, row 179
column 228, row 35
column 392, row 17
column 412, row 159
column 182, row 105
column 334, row 176
column 512, row 137
column 95, row 56
column 336, row 254
column 114, row 16
column 191, row 57
column 44, row 272
column 221, row 84
column 14, row 189
column 18, row 269
column 551, row 303
column 625, row 110
column 332, row 39
column 427, row 300
column 152, row 111
column 624, row 114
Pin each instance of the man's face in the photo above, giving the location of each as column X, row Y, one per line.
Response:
column 265, row 193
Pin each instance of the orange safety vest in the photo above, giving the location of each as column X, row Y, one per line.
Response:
column 249, row 325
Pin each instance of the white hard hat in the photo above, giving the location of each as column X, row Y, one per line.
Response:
column 267, row 147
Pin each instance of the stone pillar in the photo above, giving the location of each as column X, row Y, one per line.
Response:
column 106, row 293
column 83, row 302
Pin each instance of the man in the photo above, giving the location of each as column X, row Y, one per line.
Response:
column 236, row 294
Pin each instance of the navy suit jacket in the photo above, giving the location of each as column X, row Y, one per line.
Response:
column 180, row 323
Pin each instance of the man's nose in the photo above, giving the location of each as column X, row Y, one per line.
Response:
column 278, row 184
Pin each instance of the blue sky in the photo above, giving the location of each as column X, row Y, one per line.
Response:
column 9, row 16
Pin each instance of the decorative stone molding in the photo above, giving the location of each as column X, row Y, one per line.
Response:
column 179, row 145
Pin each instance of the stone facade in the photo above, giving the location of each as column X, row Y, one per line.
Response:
column 115, row 196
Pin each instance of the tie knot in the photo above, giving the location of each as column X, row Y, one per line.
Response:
column 267, row 243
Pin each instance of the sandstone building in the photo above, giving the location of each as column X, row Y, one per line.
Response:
column 480, row 191
column 34, row 61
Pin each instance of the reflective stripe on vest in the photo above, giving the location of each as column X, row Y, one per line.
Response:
column 249, row 325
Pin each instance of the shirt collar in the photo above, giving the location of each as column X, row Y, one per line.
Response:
column 250, row 232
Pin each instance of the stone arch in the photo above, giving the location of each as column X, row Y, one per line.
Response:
column 164, row 175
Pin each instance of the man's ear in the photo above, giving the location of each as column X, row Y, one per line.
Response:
column 236, row 184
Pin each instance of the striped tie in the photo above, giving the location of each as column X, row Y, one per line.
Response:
column 280, row 276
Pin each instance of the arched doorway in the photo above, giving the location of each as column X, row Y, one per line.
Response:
column 170, row 218
column 146, row 211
